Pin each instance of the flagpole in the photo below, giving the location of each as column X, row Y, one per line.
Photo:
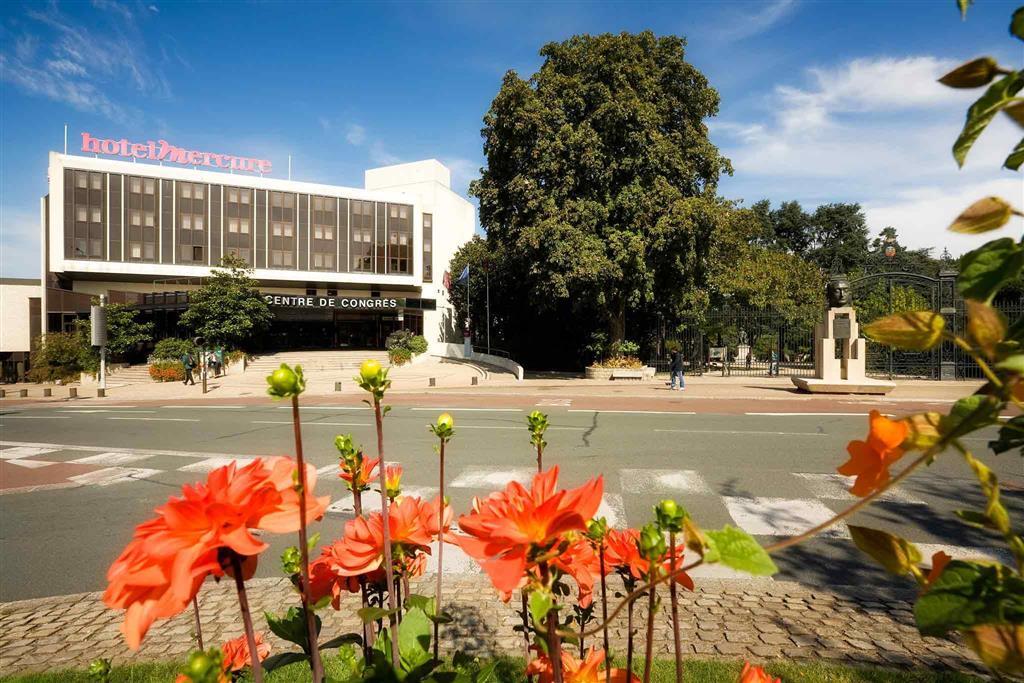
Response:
column 469, row 328
column 487, row 288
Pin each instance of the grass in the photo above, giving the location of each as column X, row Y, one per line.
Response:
column 510, row 671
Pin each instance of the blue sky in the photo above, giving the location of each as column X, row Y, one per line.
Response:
column 821, row 101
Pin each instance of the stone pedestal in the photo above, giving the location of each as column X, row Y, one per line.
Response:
column 842, row 371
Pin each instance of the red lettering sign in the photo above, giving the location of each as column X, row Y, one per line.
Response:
column 161, row 150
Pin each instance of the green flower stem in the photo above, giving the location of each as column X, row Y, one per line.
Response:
column 629, row 625
column 1012, row 540
column 314, row 652
column 368, row 635
column 440, row 551
column 675, row 609
column 389, row 569
column 604, row 610
column 649, row 643
column 243, row 605
column 199, row 625
column 551, row 632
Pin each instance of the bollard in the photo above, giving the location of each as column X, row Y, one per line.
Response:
column 22, row 393
column 337, row 386
column 47, row 392
column 433, row 382
column 101, row 393
column 72, row 392
column 474, row 381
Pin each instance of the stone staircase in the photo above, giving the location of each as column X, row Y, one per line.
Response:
column 317, row 361
column 133, row 374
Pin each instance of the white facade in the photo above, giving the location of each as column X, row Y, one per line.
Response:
column 424, row 186
column 15, row 332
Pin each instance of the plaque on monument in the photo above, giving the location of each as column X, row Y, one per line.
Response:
column 841, row 328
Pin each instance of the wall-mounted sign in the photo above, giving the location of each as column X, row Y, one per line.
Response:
column 354, row 303
column 161, row 150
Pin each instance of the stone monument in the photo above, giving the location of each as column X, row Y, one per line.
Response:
column 839, row 350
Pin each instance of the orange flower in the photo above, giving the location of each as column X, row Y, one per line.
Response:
column 621, row 553
column 236, row 652
column 359, row 478
column 580, row 561
column 755, row 674
column 508, row 528
column 576, row 671
column 870, row 460
column 360, row 550
column 939, row 562
column 393, row 480
column 162, row 568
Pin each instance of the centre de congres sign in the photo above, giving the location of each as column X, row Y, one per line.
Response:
column 343, row 302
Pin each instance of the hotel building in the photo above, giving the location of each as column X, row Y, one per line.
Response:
column 341, row 267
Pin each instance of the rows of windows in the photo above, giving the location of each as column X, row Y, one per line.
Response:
column 346, row 235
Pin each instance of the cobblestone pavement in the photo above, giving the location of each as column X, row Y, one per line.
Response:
column 751, row 620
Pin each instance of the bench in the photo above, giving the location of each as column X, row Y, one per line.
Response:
column 627, row 373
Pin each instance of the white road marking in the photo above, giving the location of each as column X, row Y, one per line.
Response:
column 111, row 458
column 964, row 553
column 489, row 478
column 31, row 464
column 40, row 487
column 204, row 407
column 326, row 408
column 104, row 449
column 311, row 423
column 837, row 487
column 158, row 419
column 105, row 410
column 781, row 516
column 35, row 417
column 371, row 499
column 555, row 402
column 478, row 410
column 613, row 509
column 211, row 464
column 113, row 475
column 815, row 414
column 521, row 428
column 455, row 560
column 663, row 481
column 24, row 452
column 636, row 412
column 739, row 431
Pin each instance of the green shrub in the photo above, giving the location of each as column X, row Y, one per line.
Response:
column 418, row 344
column 173, row 348
column 407, row 343
column 625, row 348
column 62, row 356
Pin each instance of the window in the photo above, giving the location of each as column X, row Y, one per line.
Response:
column 191, row 208
column 197, row 253
column 243, row 226
column 399, row 231
column 232, row 225
column 135, row 250
column 428, row 247
column 238, row 216
column 361, row 220
column 283, row 244
column 324, row 247
column 85, row 233
column 141, row 206
column 135, row 185
column 135, row 217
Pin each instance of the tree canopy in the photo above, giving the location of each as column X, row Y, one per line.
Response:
column 586, row 158
column 228, row 309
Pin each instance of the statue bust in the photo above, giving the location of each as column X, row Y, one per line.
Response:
column 837, row 292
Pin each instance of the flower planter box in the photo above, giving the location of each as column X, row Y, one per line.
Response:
column 611, row 374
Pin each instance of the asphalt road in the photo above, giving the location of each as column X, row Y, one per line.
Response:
column 768, row 472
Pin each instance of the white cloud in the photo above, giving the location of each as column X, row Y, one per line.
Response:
column 872, row 130
column 381, row 156
column 922, row 214
column 463, row 171
column 355, row 134
column 744, row 25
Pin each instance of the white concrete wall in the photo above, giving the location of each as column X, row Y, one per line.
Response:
column 459, row 351
column 15, row 331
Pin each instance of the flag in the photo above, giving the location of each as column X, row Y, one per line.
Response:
column 447, row 280
column 464, row 276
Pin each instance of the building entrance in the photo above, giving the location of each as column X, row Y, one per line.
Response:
column 332, row 329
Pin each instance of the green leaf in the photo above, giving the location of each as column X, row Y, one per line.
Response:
column 737, row 549
column 975, row 519
column 990, row 213
column 414, row 639
column 541, row 602
column 292, row 626
column 421, row 602
column 913, row 330
column 895, row 554
column 967, row 594
column 283, row 659
column 972, row 74
column 1016, row 157
column 368, row 614
column 1017, row 23
column 994, row 510
column 1011, row 435
column 987, row 268
column 1013, row 364
column 970, row 413
column 981, row 113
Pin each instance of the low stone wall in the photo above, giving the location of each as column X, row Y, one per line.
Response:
column 600, row 373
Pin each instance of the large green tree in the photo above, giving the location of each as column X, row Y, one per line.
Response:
column 839, row 238
column 228, row 309
column 124, row 331
column 586, row 160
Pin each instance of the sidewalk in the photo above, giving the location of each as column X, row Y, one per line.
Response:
column 754, row 620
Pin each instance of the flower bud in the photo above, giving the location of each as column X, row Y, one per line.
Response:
column 369, row 370
column 670, row 515
column 652, row 543
column 597, row 528
column 393, row 481
column 445, row 421
column 286, row 382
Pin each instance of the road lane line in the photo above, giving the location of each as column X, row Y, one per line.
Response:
column 740, row 431
column 575, row 429
column 158, row 419
column 35, row 417
column 479, row 410
column 815, row 414
column 190, row 407
column 313, row 424
column 635, row 412
column 120, row 449
column 326, row 407
column 104, row 410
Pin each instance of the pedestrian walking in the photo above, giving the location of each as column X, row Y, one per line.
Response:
column 189, row 361
column 220, row 360
column 676, row 370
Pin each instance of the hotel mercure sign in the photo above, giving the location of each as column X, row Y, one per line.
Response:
column 161, row 150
